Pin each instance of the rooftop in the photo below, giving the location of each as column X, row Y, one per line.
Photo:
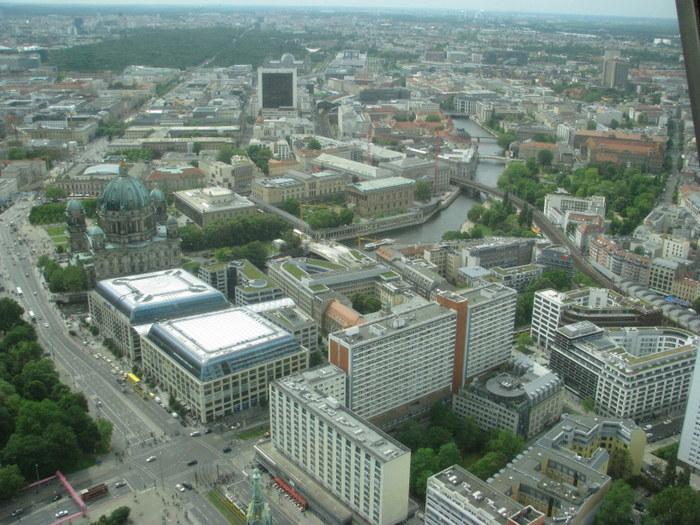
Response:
column 200, row 338
column 213, row 199
column 145, row 298
column 466, row 489
column 481, row 294
column 382, row 184
column 393, row 323
column 330, row 410
column 583, row 428
column 358, row 168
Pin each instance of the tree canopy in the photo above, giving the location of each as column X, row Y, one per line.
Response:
column 70, row 278
column 365, row 303
column 43, row 425
column 237, row 231
column 424, row 190
column 616, row 507
column 673, row 506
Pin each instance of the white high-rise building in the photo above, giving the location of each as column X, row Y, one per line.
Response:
column 601, row 306
column 546, row 312
column 397, row 364
column 357, row 463
column 689, row 448
column 556, row 205
column 485, row 322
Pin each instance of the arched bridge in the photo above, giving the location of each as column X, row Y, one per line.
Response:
column 550, row 230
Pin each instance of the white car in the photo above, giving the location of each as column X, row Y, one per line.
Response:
column 62, row 513
column 46, row 325
column 150, row 458
column 180, row 487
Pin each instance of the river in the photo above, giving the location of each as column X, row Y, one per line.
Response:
column 453, row 217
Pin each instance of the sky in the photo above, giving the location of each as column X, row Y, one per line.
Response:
column 637, row 8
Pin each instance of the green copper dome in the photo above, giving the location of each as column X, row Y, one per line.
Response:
column 157, row 195
column 95, row 231
column 124, row 193
column 74, row 207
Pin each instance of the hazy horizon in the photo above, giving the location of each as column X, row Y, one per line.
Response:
column 623, row 8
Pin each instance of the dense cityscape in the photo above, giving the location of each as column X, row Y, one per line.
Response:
column 274, row 265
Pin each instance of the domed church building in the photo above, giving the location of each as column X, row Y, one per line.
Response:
column 132, row 235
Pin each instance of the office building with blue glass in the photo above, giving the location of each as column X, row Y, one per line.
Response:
column 219, row 362
column 117, row 306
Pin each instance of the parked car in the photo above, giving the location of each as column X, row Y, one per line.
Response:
column 192, row 462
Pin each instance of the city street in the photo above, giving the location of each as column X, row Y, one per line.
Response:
column 142, row 428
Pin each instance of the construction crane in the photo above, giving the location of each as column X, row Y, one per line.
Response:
column 436, row 176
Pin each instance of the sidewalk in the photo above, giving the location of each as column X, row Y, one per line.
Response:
column 152, row 507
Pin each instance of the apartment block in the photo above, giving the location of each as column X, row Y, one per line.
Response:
column 485, row 322
column 604, row 307
column 689, row 448
column 631, row 373
column 521, row 396
column 622, row 264
column 399, row 364
column 498, row 251
column 663, row 273
column 354, row 461
column 557, row 205
column 457, row 497
column 585, row 435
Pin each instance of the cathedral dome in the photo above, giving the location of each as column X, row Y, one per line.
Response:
column 157, row 196
column 74, row 207
column 95, row 231
column 124, row 193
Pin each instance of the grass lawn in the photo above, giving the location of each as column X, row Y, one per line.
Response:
column 253, row 433
column 226, row 508
column 57, row 234
column 55, row 231
column 666, row 452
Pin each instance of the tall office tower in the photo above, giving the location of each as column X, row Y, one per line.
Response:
column 277, row 83
column 353, row 460
column 689, row 448
column 485, row 321
column 397, row 365
column 615, row 70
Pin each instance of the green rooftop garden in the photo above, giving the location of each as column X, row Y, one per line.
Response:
column 294, row 270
